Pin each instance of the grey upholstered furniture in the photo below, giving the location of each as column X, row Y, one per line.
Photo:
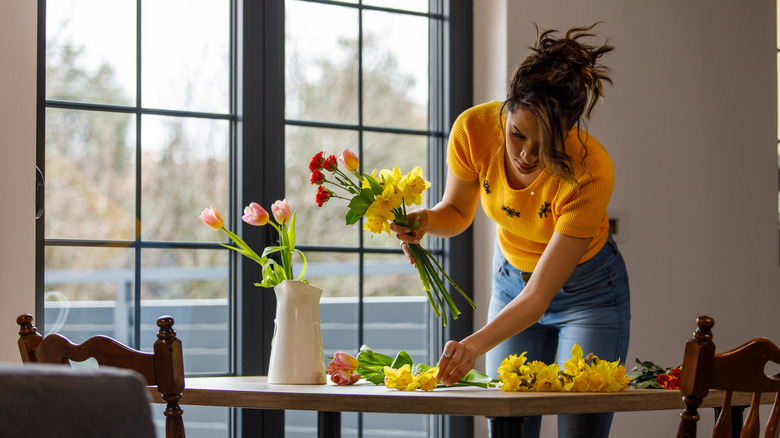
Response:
column 42, row 401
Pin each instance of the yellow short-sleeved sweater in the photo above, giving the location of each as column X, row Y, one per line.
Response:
column 527, row 218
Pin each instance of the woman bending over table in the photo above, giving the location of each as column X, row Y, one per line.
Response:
column 558, row 277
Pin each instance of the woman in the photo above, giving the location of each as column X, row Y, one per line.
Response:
column 558, row 278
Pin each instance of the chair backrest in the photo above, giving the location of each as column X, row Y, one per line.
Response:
column 164, row 368
column 740, row 369
column 48, row 401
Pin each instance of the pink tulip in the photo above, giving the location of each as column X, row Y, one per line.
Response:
column 255, row 215
column 281, row 211
column 342, row 369
column 344, row 377
column 343, row 361
column 349, row 160
column 211, row 217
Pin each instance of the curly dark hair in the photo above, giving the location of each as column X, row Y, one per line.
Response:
column 560, row 82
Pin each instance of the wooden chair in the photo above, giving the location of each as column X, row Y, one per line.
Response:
column 164, row 368
column 741, row 370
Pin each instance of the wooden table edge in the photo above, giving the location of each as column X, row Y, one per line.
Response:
column 442, row 401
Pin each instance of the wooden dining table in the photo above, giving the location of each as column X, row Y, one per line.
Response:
column 504, row 410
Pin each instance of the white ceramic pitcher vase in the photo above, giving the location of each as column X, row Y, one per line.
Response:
column 297, row 356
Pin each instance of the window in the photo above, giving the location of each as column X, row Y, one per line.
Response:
column 156, row 110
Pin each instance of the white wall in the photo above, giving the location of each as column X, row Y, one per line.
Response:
column 691, row 123
column 17, row 165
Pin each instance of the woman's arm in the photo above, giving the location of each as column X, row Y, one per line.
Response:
column 449, row 217
column 558, row 261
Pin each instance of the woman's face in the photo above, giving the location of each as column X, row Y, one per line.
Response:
column 522, row 143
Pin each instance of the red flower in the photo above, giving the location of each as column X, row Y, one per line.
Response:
column 323, row 195
column 674, row 372
column 317, row 177
column 331, row 164
column 317, row 162
column 668, row 381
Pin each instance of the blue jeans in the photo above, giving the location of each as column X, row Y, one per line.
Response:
column 592, row 310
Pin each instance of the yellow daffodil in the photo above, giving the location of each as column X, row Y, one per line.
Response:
column 536, row 367
column 399, row 378
column 547, row 379
column 514, row 373
column 511, row 382
column 598, row 377
column 619, row 379
column 576, row 363
column 377, row 225
column 393, row 196
column 577, row 383
column 427, row 380
column 390, row 177
column 413, row 185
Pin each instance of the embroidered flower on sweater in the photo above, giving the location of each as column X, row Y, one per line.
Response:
column 510, row 211
column 544, row 209
column 486, row 186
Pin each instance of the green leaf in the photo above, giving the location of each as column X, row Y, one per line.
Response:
column 368, row 357
column 291, row 233
column 368, row 195
column 303, row 258
column 401, row 359
column 375, row 186
column 352, row 218
column 272, row 249
column 377, row 379
column 358, row 205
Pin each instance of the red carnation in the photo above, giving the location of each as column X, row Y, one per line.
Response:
column 331, row 164
column 317, row 162
column 323, row 195
column 317, row 177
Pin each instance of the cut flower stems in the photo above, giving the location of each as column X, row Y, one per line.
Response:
column 381, row 198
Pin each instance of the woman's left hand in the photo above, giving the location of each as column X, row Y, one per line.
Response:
column 455, row 362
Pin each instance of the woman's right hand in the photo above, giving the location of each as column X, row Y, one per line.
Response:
column 418, row 221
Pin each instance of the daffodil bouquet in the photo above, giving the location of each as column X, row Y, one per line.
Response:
column 578, row 374
column 273, row 272
column 381, row 198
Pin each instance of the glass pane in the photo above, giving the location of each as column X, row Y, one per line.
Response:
column 337, row 275
column 383, row 151
column 184, row 170
column 186, row 56
column 395, row 70
column 316, row 225
column 406, row 5
column 90, row 175
column 89, row 291
column 90, row 51
column 192, row 287
column 321, row 62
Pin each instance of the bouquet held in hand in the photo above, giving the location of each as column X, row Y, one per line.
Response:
column 380, row 199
